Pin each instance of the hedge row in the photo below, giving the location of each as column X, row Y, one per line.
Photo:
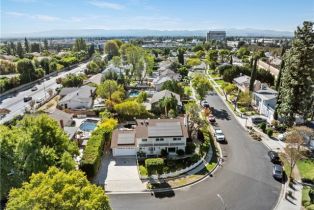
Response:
column 92, row 154
column 154, row 164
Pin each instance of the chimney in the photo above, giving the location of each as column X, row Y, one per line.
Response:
column 61, row 124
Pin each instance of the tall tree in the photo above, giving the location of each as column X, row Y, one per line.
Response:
column 282, row 65
column 58, row 189
column 19, row 50
column 201, row 85
column 111, row 48
column 91, row 50
column 13, row 48
column 181, row 52
column 79, row 45
column 26, row 45
column 44, row 63
column 297, row 83
column 106, row 89
column 46, row 44
column 253, row 75
column 26, row 69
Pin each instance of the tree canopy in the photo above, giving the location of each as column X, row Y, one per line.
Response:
column 201, row 85
column 57, row 189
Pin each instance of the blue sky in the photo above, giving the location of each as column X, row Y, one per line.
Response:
column 24, row 16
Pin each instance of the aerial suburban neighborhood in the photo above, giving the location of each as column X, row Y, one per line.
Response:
column 149, row 112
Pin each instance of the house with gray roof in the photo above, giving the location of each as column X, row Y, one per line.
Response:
column 243, row 83
column 150, row 136
column 265, row 100
column 80, row 98
column 165, row 94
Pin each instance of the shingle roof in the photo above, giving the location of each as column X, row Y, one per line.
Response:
column 81, row 94
column 165, row 93
column 59, row 115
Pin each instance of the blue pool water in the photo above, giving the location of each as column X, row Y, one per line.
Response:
column 134, row 94
column 88, row 125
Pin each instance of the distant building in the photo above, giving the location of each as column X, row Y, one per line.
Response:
column 216, row 35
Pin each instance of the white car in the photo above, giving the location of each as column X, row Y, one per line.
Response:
column 40, row 100
column 219, row 135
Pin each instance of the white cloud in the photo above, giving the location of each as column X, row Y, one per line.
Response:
column 40, row 17
column 108, row 5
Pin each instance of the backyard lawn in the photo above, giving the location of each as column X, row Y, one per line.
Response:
column 306, row 168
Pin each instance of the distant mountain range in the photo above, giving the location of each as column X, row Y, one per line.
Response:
column 148, row 32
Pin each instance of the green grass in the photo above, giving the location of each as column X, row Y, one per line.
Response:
column 306, row 201
column 220, row 82
column 215, row 76
column 306, row 168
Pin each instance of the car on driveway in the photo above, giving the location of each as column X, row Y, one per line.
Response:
column 277, row 171
column 258, row 120
column 220, row 137
column 34, row 88
column 211, row 118
column 205, row 104
column 28, row 98
column 274, row 157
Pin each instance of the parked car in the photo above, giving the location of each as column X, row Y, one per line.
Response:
column 28, row 98
column 220, row 137
column 34, row 88
column 258, row 120
column 205, row 104
column 274, row 157
column 211, row 118
column 40, row 100
column 277, row 171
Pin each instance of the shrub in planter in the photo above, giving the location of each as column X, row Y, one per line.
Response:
column 270, row 132
column 163, row 153
column 190, row 148
column 311, row 195
column 195, row 158
column 154, row 165
column 263, row 127
column 180, row 152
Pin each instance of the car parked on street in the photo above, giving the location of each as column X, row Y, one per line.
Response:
column 277, row 171
column 211, row 118
column 274, row 157
column 28, row 98
column 34, row 88
column 205, row 104
column 40, row 100
column 220, row 137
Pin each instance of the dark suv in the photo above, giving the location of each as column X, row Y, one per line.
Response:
column 28, row 98
column 274, row 157
column 258, row 120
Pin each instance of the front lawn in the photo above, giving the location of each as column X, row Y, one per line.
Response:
column 306, row 200
column 306, row 168
column 220, row 82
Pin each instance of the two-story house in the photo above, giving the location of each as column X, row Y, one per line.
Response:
column 150, row 136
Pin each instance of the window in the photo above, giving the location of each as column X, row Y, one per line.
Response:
column 144, row 139
column 176, row 139
column 159, row 139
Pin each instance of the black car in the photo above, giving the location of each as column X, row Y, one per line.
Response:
column 274, row 157
column 258, row 120
column 28, row 98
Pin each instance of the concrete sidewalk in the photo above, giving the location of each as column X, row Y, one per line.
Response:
column 284, row 202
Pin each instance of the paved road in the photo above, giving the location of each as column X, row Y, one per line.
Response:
column 16, row 104
column 244, row 182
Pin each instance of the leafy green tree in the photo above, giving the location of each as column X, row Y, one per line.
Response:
column 224, row 55
column 26, row 45
column 212, row 58
column 134, row 56
column 296, row 88
column 46, row 44
column 44, row 63
column 35, row 47
column 282, row 65
column 92, row 68
column 244, row 99
column 33, row 145
column 142, row 97
column 228, row 88
column 201, row 85
column 106, row 89
column 243, row 51
column 193, row 113
column 116, row 61
column 73, row 80
column 253, row 75
column 130, row 109
column 173, row 86
column 57, row 189
column 149, row 63
column 197, row 48
column 168, row 103
column 193, row 61
column 26, row 69
column 112, row 49
column 91, row 50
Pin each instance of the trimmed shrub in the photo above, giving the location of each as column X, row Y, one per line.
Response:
column 180, row 152
column 92, row 154
column 263, row 127
column 195, row 158
column 270, row 132
column 154, row 165
column 190, row 148
column 163, row 153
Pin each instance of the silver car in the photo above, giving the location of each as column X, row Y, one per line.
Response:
column 277, row 171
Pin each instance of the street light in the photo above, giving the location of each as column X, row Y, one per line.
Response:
column 222, row 201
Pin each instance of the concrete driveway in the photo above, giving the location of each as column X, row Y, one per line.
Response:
column 122, row 175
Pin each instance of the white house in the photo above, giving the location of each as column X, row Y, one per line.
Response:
column 150, row 136
column 78, row 98
column 265, row 101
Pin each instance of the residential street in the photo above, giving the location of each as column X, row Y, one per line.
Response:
column 244, row 182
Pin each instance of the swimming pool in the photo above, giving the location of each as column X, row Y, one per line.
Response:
column 88, row 125
column 134, row 93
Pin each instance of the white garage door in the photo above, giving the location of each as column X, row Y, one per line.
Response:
column 123, row 151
